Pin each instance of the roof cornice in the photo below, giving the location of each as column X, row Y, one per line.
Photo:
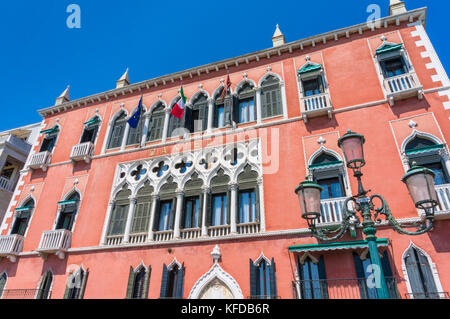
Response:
column 417, row 14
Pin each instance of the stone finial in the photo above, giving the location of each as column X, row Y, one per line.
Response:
column 124, row 80
column 64, row 97
column 412, row 124
column 216, row 254
column 278, row 37
column 396, row 7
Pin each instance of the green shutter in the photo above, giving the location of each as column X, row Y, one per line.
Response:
column 174, row 212
column 235, row 109
column 360, row 276
column 183, row 212
column 83, row 284
column 323, row 276
column 273, row 279
column 257, row 204
column 157, row 215
column 208, row 209
column 147, row 282
column 130, row 285
column 229, row 207
column 180, row 282
column 200, row 210
column 164, row 282
column 253, row 280
column 68, row 283
column 237, row 206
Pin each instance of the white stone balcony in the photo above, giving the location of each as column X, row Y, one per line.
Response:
column 6, row 184
column 219, row 231
column 443, row 194
column 165, row 235
column 82, row 152
column 191, row 233
column 55, row 242
column 40, row 161
column 16, row 143
column 331, row 210
column 248, row 228
column 316, row 105
column 402, row 87
column 11, row 246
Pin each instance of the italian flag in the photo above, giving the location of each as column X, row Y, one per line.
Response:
column 178, row 109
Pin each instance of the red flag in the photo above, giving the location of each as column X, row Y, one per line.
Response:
column 227, row 88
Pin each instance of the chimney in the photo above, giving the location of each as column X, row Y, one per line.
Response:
column 64, row 97
column 396, row 7
column 278, row 37
column 123, row 81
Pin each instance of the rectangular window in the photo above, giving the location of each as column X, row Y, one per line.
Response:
column 165, row 216
column 246, row 111
column 332, row 188
column 441, row 176
column 156, row 128
column 313, row 86
column 393, row 67
column 219, row 210
column 89, row 135
column 191, row 210
column 48, row 144
column 247, row 207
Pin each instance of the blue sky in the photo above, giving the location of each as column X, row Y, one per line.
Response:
column 40, row 56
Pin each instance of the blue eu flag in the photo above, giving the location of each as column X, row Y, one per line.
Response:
column 134, row 119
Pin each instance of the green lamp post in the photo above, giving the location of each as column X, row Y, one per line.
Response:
column 418, row 180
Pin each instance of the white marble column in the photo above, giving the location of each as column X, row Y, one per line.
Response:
column 107, row 220
column 176, row 228
column 233, row 208
column 284, row 100
column 166, row 125
column 205, row 191
column 145, row 130
column 258, row 105
column 125, row 137
column 150, row 236
column 126, row 237
column 210, row 115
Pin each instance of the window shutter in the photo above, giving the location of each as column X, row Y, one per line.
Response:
column 183, row 212
column 360, row 276
column 428, row 278
column 180, row 282
column 67, row 290
column 146, row 282
column 200, row 210
column 273, row 280
column 216, row 116
column 83, row 284
column 238, row 208
column 157, row 214
column 257, row 205
column 204, row 116
column 130, row 283
column 253, row 280
column 208, row 209
column 235, row 110
column 323, row 276
column 264, row 104
column 188, row 119
column 228, row 212
column 228, row 109
column 387, row 271
column 3, row 279
column 414, row 274
column 164, row 282
column 174, row 211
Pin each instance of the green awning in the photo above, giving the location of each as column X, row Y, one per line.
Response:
column 93, row 121
column 329, row 164
column 310, row 68
column 23, row 209
column 389, row 48
column 53, row 130
column 424, row 149
column 67, row 202
column 337, row 246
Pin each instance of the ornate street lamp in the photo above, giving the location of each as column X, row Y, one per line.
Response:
column 418, row 180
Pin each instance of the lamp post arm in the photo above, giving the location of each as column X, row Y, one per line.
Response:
column 422, row 227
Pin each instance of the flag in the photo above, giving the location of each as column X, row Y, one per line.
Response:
column 178, row 109
column 134, row 119
column 226, row 88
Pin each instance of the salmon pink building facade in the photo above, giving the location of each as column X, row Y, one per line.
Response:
column 204, row 206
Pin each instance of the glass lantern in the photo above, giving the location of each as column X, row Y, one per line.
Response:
column 420, row 183
column 351, row 145
column 309, row 199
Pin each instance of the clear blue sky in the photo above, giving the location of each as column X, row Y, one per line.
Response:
column 40, row 56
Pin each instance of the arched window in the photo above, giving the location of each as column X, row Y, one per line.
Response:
column 263, row 280
column 90, row 130
column 166, row 207
column 172, row 282
column 22, row 218
column 327, row 173
column 117, row 131
column 219, row 110
column 271, row 104
column 138, row 283
column 76, row 284
column 425, row 152
column 218, row 212
column 135, row 134
column 245, row 111
column 141, row 216
column 248, row 198
column 199, row 118
column 45, row 286
column 119, row 214
column 68, row 212
column 420, row 275
column 156, row 125
column 50, row 138
column 312, row 275
column 3, row 280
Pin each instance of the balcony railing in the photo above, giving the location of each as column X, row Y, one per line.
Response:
column 40, row 160
column 340, row 289
column 11, row 246
column 331, row 210
column 219, row 231
column 402, row 87
column 165, row 235
column 138, row 238
column 443, row 194
column 316, row 105
column 248, row 228
column 191, row 233
column 20, row 294
column 428, row 295
column 114, row 240
column 82, row 152
column 6, row 184
column 55, row 241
